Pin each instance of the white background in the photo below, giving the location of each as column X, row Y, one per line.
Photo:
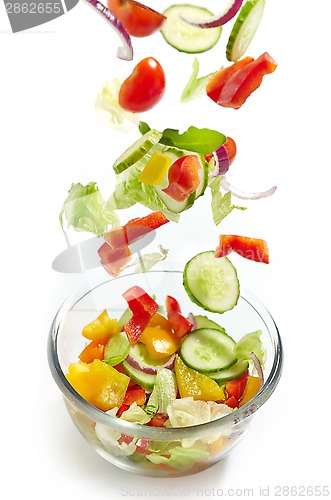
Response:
column 50, row 138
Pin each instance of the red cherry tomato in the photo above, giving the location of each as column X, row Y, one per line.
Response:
column 138, row 19
column 144, row 88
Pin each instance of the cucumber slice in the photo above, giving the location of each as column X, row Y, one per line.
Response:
column 235, row 371
column 211, row 283
column 244, row 29
column 184, row 37
column 208, row 350
column 204, row 322
column 135, row 152
column 145, row 380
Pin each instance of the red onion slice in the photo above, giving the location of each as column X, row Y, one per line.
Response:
column 191, row 319
column 218, row 20
column 222, row 162
column 244, row 195
column 125, row 52
column 258, row 367
column 170, row 364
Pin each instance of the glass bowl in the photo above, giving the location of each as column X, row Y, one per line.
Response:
column 200, row 446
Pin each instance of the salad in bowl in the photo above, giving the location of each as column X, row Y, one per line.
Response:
column 163, row 371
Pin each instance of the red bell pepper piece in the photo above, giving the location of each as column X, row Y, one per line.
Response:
column 230, row 87
column 134, row 229
column 114, row 259
column 143, row 308
column 217, row 81
column 158, row 420
column 249, row 248
column 235, row 388
column 135, row 395
column 179, row 324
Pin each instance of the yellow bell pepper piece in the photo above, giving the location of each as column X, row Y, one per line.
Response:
column 252, row 387
column 100, row 328
column 155, row 169
column 100, row 384
column 195, row 384
column 160, row 343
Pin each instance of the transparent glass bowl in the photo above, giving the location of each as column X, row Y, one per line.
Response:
column 104, row 432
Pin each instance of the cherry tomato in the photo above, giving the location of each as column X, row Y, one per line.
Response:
column 144, row 88
column 138, row 19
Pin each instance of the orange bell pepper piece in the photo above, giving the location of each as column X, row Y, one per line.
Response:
column 159, row 343
column 94, row 350
column 100, row 328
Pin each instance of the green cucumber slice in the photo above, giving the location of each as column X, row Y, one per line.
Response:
column 211, row 283
column 135, row 152
column 184, row 37
column 208, row 350
column 235, row 371
column 145, row 380
column 244, row 29
column 204, row 322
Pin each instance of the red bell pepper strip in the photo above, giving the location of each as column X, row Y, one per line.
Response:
column 158, row 420
column 135, row 395
column 114, row 259
column 143, row 308
column 230, row 87
column 217, row 81
column 134, row 229
column 179, row 324
column 235, row 388
column 249, row 248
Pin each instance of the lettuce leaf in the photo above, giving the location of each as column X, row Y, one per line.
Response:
column 198, row 140
column 251, row 342
column 135, row 414
column 109, row 112
column 85, row 210
column 221, row 205
column 130, row 191
column 180, row 458
column 195, row 87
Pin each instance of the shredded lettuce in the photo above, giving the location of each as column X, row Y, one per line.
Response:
column 130, row 191
column 251, row 342
column 147, row 261
column 179, row 457
column 135, row 414
column 109, row 112
column 221, row 205
column 85, row 210
column 111, row 439
column 195, row 87
column 187, row 412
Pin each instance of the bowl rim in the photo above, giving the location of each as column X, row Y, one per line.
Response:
column 161, row 433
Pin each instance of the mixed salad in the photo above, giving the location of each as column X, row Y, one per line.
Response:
column 157, row 365
column 161, row 367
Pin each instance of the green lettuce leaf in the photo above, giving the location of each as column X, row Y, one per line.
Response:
column 180, row 458
column 251, row 342
column 135, row 414
column 195, row 87
column 198, row 140
column 221, row 205
column 130, row 191
column 85, row 210
column 109, row 112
